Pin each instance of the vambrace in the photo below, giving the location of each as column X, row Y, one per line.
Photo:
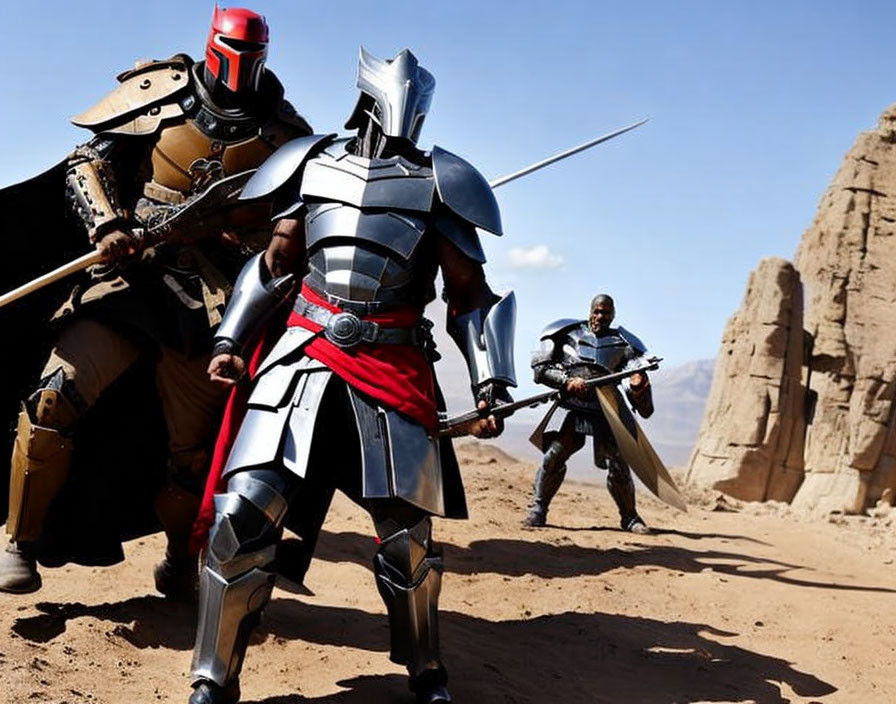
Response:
column 485, row 338
column 408, row 573
column 236, row 581
column 91, row 189
column 256, row 296
column 553, row 375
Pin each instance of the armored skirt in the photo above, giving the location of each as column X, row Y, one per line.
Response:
column 305, row 418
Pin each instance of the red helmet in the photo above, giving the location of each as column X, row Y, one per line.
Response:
column 237, row 47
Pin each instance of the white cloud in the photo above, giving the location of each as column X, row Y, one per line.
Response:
column 537, row 257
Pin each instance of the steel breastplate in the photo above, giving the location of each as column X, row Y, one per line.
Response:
column 586, row 354
column 366, row 227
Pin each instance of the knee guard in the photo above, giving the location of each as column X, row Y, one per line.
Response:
column 41, row 457
column 622, row 489
column 409, row 576
column 236, row 582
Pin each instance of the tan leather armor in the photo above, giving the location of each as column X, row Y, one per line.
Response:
column 185, row 160
column 196, row 143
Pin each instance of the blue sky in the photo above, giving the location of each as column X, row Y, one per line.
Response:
column 752, row 107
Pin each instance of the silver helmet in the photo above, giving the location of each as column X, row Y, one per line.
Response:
column 395, row 93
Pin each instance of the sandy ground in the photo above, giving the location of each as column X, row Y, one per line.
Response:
column 723, row 604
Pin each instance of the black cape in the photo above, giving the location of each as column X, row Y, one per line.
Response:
column 119, row 459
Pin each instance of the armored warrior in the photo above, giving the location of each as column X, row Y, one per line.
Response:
column 167, row 131
column 571, row 352
column 347, row 397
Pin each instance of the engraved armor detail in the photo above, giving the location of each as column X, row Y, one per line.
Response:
column 91, row 189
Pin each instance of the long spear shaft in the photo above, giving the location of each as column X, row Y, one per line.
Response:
column 72, row 267
column 563, row 155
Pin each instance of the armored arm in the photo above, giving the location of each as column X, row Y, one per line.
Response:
column 639, row 392
column 92, row 189
column 257, row 294
column 546, row 367
column 481, row 323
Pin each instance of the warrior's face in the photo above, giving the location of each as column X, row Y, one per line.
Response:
column 395, row 95
column 237, row 48
column 602, row 313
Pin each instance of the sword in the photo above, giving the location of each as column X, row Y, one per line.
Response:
column 456, row 426
column 190, row 220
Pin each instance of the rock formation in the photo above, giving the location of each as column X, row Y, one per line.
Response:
column 801, row 407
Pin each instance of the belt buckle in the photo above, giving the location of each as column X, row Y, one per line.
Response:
column 344, row 329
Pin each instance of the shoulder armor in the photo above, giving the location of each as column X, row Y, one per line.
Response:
column 145, row 97
column 632, row 340
column 282, row 165
column 559, row 326
column 465, row 191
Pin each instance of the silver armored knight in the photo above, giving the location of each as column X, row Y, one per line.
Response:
column 346, row 398
column 570, row 353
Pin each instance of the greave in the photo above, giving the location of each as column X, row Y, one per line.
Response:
column 236, row 582
column 622, row 489
column 409, row 576
column 549, row 476
column 41, row 458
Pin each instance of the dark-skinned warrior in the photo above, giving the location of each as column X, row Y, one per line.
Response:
column 347, row 398
column 569, row 353
column 165, row 133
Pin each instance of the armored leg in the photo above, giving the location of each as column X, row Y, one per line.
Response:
column 622, row 489
column 236, row 581
column 40, row 462
column 408, row 572
column 176, row 507
column 550, row 475
column 191, row 405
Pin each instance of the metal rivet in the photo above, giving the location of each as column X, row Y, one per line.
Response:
column 145, row 83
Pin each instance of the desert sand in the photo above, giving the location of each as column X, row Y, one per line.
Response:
column 725, row 603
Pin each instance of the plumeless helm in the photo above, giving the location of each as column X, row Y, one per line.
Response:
column 237, row 48
column 395, row 93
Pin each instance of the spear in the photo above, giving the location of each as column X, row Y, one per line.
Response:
column 196, row 212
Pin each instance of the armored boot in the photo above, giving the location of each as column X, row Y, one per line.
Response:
column 548, row 479
column 205, row 692
column 40, row 462
column 408, row 573
column 622, row 489
column 236, row 581
column 18, row 569
column 177, row 504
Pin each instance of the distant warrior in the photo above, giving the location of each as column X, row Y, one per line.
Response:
column 169, row 130
column 571, row 352
column 347, row 398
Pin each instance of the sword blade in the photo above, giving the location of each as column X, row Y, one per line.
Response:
column 563, row 155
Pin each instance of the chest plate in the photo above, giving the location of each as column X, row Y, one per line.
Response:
column 185, row 160
column 366, row 228
column 601, row 354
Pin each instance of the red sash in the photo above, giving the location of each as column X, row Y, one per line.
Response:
column 398, row 376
